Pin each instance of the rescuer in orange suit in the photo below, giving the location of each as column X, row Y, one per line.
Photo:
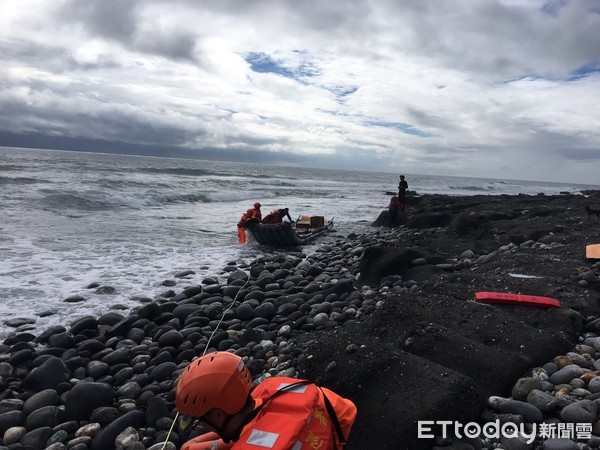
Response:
column 277, row 216
column 251, row 216
column 281, row 413
column 241, row 226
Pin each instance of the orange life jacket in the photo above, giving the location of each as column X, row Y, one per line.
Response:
column 272, row 217
column 295, row 419
column 246, row 217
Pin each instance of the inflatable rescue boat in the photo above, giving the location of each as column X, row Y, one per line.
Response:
column 300, row 232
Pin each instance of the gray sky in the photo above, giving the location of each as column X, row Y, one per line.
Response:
column 485, row 88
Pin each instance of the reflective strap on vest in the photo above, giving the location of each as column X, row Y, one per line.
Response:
column 298, row 389
column 297, row 446
column 262, row 438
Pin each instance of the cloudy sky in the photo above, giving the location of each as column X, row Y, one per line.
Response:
column 488, row 88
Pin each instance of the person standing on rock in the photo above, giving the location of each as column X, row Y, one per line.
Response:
column 281, row 413
column 402, row 188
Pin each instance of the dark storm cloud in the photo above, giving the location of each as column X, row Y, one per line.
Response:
column 501, row 39
column 588, row 155
column 122, row 21
column 177, row 47
column 110, row 123
column 54, row 59
column 111, row 19
column 463, row 87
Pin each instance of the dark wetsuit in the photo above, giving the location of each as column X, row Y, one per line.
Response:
column 402, row 188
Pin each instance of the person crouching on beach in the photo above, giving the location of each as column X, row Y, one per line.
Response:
column 281, row 413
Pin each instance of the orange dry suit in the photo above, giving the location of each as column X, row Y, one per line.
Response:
column 241, row 226
column 272, row 217
column 289, row 414
column 277, row 216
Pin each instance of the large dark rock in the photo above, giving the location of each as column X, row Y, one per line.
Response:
column 163, row 371
column 46, row 416
column 118, row 329
column 104, row 415
column 47, row 397
column 120, row 355
column 36, row 439
column 106, row 438
column 85, row 323
column 379, row 262
column 148, row 311
column 62, row 340
column 85, row 397
column 45, row 335
column 47, row 376
column 157, row 409
column 11, row 419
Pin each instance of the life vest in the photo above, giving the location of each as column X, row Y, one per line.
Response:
column 272, row 217
column 293, row 416
column 247, row 217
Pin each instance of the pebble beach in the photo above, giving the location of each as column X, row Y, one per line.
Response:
column 108, row 381
column 87, row 384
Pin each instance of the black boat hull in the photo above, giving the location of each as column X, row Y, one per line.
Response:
column 284, row 234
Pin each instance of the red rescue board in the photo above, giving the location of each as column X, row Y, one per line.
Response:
column 517, row 299
column 592, row 251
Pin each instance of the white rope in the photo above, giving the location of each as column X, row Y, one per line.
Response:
column 204, row 353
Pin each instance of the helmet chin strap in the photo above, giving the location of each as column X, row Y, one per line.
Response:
column 220, row 430
column 224, row 427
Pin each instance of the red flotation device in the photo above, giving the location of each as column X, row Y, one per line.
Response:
column 517, row 299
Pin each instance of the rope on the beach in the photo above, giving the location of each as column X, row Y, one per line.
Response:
column 170, row 431
column 204, row 353
column 223, row 316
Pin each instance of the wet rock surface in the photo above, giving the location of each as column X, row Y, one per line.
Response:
column 386, row 317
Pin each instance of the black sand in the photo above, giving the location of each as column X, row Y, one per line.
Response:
column 435, row 354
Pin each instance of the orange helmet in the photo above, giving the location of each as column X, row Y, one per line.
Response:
column 257, row 205
column 250, row 211
column 217, row 380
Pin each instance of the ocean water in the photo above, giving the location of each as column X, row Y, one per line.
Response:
column 70, row 219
